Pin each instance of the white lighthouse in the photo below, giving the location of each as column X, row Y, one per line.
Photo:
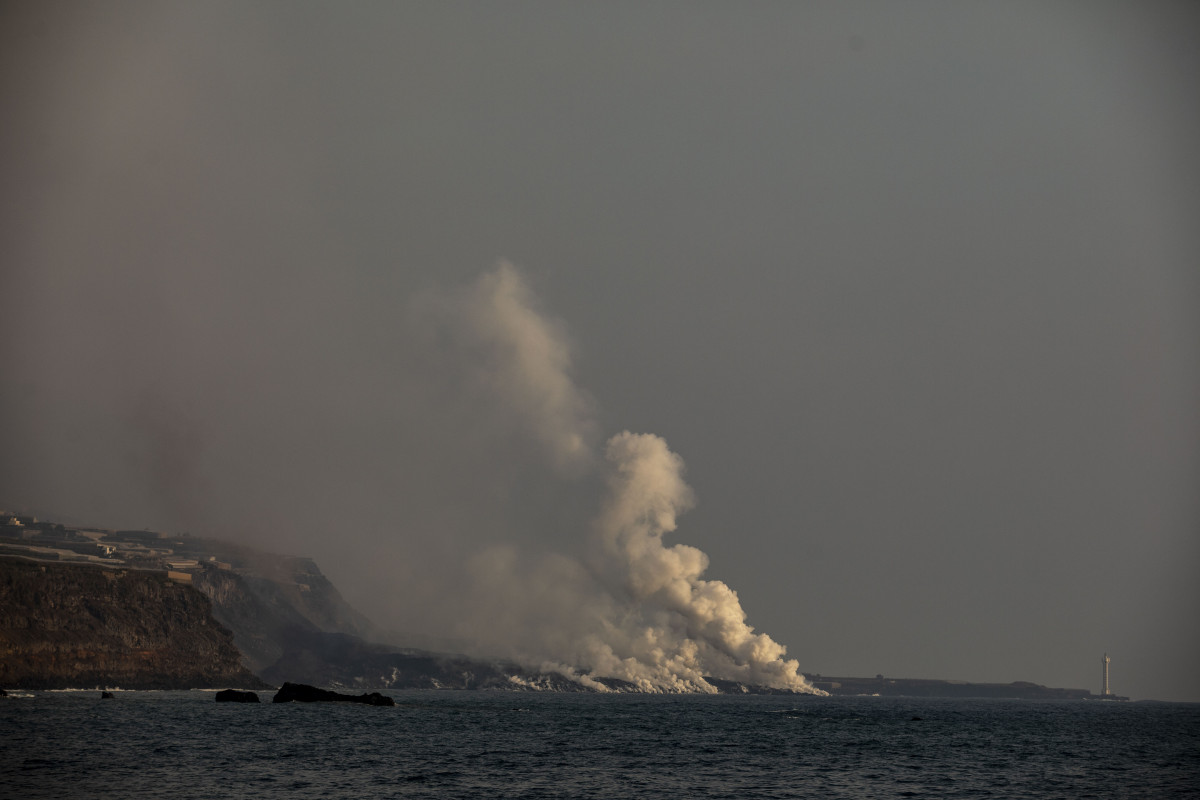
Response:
column 1104, row 661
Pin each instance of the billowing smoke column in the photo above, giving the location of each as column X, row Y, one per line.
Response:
column 633, row 607
column 688, row 627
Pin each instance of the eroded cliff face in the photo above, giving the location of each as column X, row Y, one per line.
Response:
column 261, row 620
column 66, row 626
column 273, row 602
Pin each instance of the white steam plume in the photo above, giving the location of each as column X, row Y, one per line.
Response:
column 520, row 358
column 683, row 627
column 633, row 608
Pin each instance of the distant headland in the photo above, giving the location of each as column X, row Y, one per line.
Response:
column 926, row 687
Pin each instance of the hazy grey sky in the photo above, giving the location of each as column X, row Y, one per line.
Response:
column 913, row 289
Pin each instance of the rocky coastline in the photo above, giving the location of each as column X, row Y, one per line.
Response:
column 158, row 612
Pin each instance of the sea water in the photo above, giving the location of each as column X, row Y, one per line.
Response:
column 530, row 745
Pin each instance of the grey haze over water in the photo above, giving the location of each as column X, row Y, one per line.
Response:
column 910, row 289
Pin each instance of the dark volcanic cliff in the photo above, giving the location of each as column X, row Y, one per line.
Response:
column 64, row 626
column 273, row 602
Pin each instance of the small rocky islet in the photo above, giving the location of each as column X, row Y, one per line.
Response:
column 302, row 693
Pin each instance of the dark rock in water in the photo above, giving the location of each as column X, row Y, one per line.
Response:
column 3, row 693
column 234, row 696
column 300, row 693
column 106, row 695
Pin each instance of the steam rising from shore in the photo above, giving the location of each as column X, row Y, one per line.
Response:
column 631, row 606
